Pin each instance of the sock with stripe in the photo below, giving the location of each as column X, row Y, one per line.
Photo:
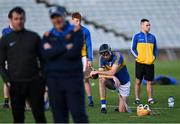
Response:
column 103, row 103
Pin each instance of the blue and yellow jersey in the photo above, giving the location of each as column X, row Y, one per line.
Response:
column 84, row 50
column 87, row 47
column 122, row 72
column 144, row 48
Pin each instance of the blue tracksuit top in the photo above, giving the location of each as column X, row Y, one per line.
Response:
column 88, row 42
column 144, row 48
column 59, row 60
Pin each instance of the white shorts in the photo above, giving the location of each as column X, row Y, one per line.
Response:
column 124, row 90
column 84, row 62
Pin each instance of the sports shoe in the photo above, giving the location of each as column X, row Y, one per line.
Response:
column 137, row 102
column 116, row 109
column 5, row 105
column 151, row 101
column 103, row 110
column 91, row 104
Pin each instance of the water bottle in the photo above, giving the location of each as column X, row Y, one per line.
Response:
column 170, row 102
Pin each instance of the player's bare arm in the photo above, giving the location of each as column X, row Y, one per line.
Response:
column 111, row 72
column 108, row 74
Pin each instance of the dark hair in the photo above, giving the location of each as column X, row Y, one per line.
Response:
column 144, row 20
column 16, row 9
column 76, row 15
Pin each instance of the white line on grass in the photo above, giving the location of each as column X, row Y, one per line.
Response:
column 155, row 108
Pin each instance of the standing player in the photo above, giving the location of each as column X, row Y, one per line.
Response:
column 113, row 75
column 5, row 87
column 144, row 49
column 87, row 54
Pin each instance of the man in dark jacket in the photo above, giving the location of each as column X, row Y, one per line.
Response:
column 61, row 50
column 20, row 49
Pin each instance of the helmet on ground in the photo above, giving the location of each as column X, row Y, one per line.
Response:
column 143, row 110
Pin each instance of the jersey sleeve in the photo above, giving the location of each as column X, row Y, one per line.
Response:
column 3, row 57
column 119, row 59
column 58, row 48
column 133, row 46
column 89, row 45
column 101, row 63
column 155, row 52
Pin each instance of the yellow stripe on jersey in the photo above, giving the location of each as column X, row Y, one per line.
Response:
column 84, row 50
column 107, row 67
column 117, row 59
column 120, row 66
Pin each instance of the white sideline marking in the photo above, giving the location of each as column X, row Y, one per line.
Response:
column 155, row 108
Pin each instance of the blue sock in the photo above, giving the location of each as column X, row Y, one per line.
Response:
column 89, row 99
column 103, row 103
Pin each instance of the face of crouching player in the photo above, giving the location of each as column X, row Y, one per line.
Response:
column 58, row 21
column 106, row 55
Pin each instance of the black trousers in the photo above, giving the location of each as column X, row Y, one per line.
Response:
column 67, row 95
column 34, row 92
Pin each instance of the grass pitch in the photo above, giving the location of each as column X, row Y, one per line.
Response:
column 161, row 94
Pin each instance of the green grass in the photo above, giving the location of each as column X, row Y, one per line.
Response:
column 161, row 94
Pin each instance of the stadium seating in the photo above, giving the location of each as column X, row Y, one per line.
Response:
column 120, row 15
column 124, row 16
column 37, row 14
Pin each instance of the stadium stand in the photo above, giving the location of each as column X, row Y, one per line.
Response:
column 110, row 18
column 124, row 16
column 37, row 14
